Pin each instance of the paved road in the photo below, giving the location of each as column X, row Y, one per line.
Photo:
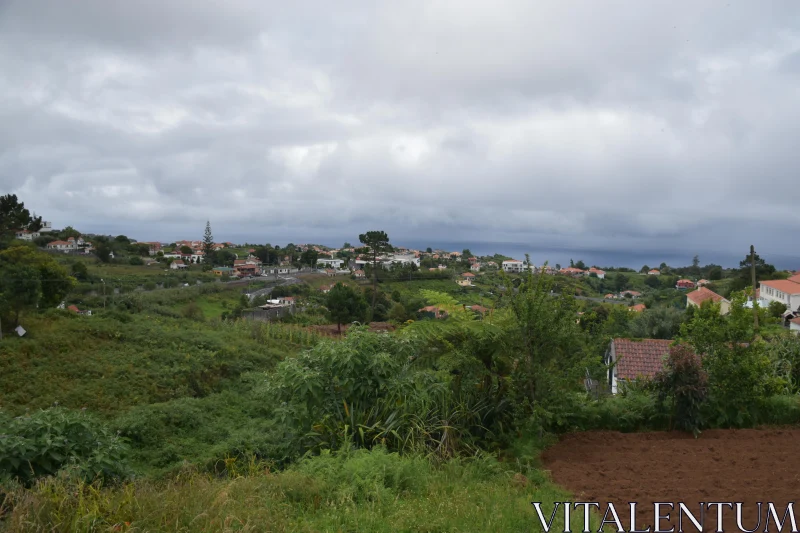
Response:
column 282, row 281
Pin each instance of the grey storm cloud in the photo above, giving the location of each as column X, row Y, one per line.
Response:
column 616, row 124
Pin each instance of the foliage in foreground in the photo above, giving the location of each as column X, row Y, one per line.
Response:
column 42, row 443
column 352, row 490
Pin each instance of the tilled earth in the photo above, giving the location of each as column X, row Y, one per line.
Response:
column 748, row 466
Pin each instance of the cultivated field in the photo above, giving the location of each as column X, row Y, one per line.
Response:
column 748, row 466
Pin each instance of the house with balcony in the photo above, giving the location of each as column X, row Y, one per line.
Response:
column 513, row 266
column 785, row 291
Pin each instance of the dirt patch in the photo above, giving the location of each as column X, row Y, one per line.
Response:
column 333, row 330
column 748, row 466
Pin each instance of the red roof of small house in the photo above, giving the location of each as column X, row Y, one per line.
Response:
column 288, row 298
column 58, row 243
column 632, row 293
column 429, row 309
column 479, row 308
column 178, row 262
column 74, row 309
column 685, row 283
column 239, row 262
column 654, row 271
column 703, row 294
column 433, row 269
column 360, row 272
column 783, row 285
column 609, row 296
column 795, row 321
column 597, row 270
column 643, row 358
column 703, row 282
column 638, row 308
column 468, row 275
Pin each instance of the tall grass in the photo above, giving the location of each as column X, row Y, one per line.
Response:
column 370, row 491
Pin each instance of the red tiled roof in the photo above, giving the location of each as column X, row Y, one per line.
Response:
column 640, row 358
column 58, row 243
column 795, row 278
column 468, row 275
column 702, row 294
column 795, row 321
column 74, row 309
column 479, row 309
column 638, row 308
column 783, row 285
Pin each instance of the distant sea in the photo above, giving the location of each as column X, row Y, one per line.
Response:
column 606, row 258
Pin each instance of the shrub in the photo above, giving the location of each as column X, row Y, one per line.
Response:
column 42, row 443
column 685, row 383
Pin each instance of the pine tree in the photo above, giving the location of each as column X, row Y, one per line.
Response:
column 208, row 245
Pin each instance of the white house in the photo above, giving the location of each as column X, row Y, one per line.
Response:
column 476, row 267
column 25, row 235
column 330, row 263
column 177, row 264
column 400, row 259
column 513, row 265
column 785, row 291
column 794, row 325
column 597, row 272
column 47, row 227
column 62, row 246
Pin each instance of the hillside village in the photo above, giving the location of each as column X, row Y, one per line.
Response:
column 195, row 325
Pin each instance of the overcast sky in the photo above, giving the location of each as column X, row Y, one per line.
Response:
column 660, row 124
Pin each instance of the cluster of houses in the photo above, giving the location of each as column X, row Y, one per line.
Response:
column 514, row 266
column 71, row 245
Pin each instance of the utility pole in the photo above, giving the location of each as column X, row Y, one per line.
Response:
column 104, row 293
column 753, row 277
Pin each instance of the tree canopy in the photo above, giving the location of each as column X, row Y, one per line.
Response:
column 30, row 279
column 345, row 304
column 14, row 216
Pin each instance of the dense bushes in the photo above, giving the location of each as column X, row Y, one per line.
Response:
column 44, row 442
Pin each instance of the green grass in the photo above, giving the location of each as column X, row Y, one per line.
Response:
column 356, row 492
column 108, row 365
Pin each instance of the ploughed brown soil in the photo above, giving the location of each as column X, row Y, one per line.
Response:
column 333, row 330
column 748, row 466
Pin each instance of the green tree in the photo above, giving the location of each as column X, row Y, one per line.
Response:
column 776, row 309
column 546, row 339
column 14, row 216
column 658, row 323
column 429, row 250
column 466, row 253
column 763, row 271
column 208, row 247
column 79, row 271
column 30, row 279
column 345, row 304
column 715, row 273
column 185, row 250
column 375, row 243
column 398, row 313
column 644, row 270
column 740, row 373
column 309, row 257
column 620, row 281
column 347, row 245
column 580, row 264
column 652, row 281
column 103, row 252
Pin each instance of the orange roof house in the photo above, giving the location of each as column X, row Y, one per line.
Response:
column 634, row 359
column 703, row 294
